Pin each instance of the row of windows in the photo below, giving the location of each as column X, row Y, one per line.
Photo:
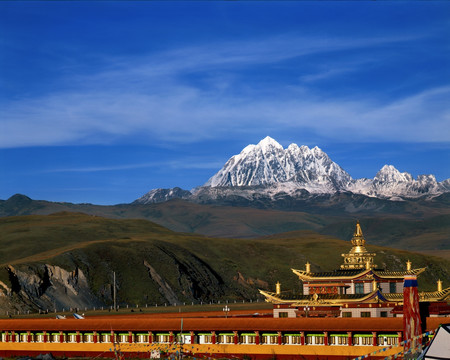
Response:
column 364, row 314
column 289, row 339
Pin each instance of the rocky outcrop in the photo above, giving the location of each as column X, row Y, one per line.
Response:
column 164, row 288
column 195, row 279
column 250, row 282
column 49, row 287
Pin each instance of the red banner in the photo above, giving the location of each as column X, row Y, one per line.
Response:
column 411, row 314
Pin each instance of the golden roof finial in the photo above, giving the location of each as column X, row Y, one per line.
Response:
column 358, row 257
column 439, row 285
column 358, row 231
column 308, row 267
column 408, row 265
column 278, row 288
column 358, row 240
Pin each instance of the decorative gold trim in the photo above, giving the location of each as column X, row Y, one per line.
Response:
column 316, row 299
column 398, row 274
column 396, row 298
column 303, row 275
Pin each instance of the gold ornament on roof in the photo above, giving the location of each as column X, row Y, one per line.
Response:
column 358, row 240
column 278, row 288
column 358, row 257
column 408, row 265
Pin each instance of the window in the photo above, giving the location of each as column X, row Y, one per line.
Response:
column 383, row 314
column 392, row 287
column 365, row 313
column 105, row 337
column 226, row 339
column 143, row 338
column 359, row 288
column 162, row 338
column 247, row 339
column 346, row 314
column 297, row 340
column 270, row 339
column 338, row 340
column 283, row 314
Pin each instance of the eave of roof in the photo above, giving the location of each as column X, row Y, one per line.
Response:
column 397, row 274
column 355, row 274
column 331, row 275
column 424, row 296
column 325, row 299
column 206, row 324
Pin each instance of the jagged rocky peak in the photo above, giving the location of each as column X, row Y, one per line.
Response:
column 269, row 163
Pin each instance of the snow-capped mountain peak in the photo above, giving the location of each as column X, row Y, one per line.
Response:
column 268, row 143
column 269, row 163
column 267, row 168
column 393, row 184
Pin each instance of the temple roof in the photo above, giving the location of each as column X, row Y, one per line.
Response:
column 397, row 274
column 424, row 296
column 338, row 299
column 343, row 274
column 130, row 323
column 323, row 299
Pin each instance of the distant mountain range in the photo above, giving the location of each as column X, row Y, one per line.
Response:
column 267, row 190
column 270, row 171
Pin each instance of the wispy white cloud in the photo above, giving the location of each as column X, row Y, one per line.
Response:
column 158, row 97
column 182, row 163
column 89, row 169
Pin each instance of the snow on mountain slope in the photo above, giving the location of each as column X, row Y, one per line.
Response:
column 269, row 163
column 268, row 169
column 391, row 183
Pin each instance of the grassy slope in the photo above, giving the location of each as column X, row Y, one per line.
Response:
column 182, row 216
column 224, row 268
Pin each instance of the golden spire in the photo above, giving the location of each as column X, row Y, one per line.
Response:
column 308, row 267
column 408, row 265
column 358, row 231
column 358, row 257
column 439, row 285
column 358, row 240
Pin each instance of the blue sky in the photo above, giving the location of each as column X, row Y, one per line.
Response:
column 102, row 101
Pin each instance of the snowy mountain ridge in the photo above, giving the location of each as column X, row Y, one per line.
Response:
column 268, row 169
column 269, row 163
